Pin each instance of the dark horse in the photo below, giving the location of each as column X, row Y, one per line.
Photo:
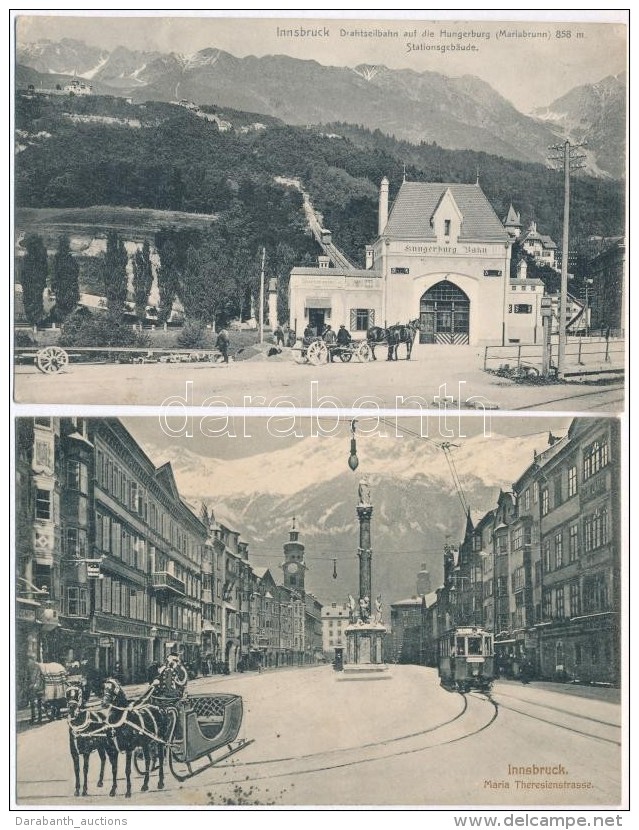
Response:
column 88, row 732
column 142, row 724
column 392, row 337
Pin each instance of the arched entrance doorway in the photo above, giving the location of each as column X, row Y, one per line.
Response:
column 444, row 315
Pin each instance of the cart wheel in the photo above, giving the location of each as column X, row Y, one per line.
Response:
column 50, row 711
column 317, row 353
column 52, row 359
column 345, row 357
column 364, row 352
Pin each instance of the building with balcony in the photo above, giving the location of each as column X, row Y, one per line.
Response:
column 104, row 535
column 151, row 545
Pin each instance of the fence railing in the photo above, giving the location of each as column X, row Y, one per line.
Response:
column 580, row 351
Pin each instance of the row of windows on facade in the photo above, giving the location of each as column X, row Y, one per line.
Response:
column 111, row 537
column 114, row 481
column 595, row 458
column 360, row 319
column 595, row 534
column 118, row 598
column 130, row 494
column 589, row 596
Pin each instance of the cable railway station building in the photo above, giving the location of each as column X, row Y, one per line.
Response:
column 442, row 256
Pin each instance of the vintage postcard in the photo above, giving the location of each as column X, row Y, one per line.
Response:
column 317, row 612
column 319, row 346
column 381, row 207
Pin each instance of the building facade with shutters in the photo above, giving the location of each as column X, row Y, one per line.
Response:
column 442, row 257
column 106, row 549
column 550, row 556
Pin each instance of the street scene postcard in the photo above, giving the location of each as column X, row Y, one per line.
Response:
column 318, row 440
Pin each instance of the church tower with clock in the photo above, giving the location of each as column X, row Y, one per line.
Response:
column 293, row 564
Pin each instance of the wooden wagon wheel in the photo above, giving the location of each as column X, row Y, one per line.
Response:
column 52, row 359
column 364, row 353
column 317, row 352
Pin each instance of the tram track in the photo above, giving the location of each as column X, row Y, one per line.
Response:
column 607, row 725
column 576, row 396
column 376, row 750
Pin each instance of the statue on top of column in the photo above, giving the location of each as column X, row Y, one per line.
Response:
column 364, row 493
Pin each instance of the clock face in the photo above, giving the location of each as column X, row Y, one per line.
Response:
column 292, row 567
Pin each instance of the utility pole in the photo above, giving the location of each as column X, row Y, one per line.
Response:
column 262, row 297
column 570, row 162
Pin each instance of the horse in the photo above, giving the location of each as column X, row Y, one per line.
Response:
column 139, row 724
column 392, row 337
column 88, row 732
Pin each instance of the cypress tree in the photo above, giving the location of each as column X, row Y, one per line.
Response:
column 35, row 268
column 65, row 279
column 115, row 276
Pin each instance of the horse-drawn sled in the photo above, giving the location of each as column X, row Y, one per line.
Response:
column 193, row 732
column 205, row 734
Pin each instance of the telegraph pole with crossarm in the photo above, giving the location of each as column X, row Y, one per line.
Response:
column 571, row 161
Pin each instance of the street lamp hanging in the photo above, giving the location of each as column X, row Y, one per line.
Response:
column 353, row 460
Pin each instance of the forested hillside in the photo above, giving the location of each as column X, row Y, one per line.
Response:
column 99, row 150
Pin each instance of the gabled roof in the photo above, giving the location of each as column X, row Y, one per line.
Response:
column 533, row 235
column 166, row 479
column 259, row 572
column 410, row 217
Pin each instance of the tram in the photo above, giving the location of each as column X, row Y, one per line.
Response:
column 466, row 659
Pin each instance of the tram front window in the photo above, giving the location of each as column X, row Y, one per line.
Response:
column 461, row 646
column 474, row 645
column 487, row 647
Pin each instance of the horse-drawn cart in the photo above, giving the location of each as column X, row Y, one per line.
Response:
column 318, row 351
column 56, row 680
column 205, row 734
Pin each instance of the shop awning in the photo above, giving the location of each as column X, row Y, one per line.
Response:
column 317, row 302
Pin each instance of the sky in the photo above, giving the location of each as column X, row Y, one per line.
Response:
column 529, row 71
column 252, row 459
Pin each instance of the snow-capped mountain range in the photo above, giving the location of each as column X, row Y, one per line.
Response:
column 416, row 505
column 455, row 112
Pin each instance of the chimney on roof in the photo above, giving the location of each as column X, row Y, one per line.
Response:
column 522, row 268
column 383, row 206
column 370, row 258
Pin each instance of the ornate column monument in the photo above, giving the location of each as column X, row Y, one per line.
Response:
column 365, row 631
